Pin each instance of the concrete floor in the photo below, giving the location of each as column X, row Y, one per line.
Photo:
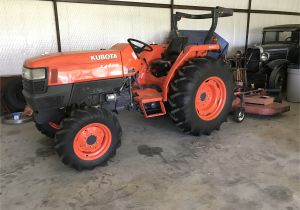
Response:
column 253, row 165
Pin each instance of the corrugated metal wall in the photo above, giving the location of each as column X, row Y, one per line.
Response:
column 86, row 26
column 28, row 26
column 259, row 21
column 27, row 29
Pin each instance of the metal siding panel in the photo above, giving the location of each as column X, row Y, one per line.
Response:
column 238, row 4
column 278, row 5
column 85, row 26
column 149, row 1
column 232, row 29
column 259, row 21
column 27, row 30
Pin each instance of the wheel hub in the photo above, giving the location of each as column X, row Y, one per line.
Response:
column 92, row 141
column 203, row 96
column 210, row 98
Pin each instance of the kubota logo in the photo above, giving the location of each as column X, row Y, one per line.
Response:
column 103, row 57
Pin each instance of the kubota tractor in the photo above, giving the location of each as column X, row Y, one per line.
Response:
column 74, row 95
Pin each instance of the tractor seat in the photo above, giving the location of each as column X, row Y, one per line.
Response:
column 160, row 67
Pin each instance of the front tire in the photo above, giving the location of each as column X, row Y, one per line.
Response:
column 48, row 129
column 201, row 96
column 239, row 115
column 88, row 138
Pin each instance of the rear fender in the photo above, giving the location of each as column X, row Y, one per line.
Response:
column 192, row 51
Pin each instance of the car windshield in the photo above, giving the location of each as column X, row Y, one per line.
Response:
column 281, row 37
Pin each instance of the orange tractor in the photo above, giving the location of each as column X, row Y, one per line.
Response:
column 74, row 95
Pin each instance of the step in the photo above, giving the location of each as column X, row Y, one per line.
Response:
column 150, row 101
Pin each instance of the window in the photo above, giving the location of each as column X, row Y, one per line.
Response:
column 270, row 37
column 285, row 36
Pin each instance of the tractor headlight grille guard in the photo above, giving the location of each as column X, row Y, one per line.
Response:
column 34, row 80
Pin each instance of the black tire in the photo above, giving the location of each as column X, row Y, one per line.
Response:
column 13, row 95
column 73, row 124
column 277, row 78
column 46, row 129
column 49, row 130
column 183, row 91
column 239, row 115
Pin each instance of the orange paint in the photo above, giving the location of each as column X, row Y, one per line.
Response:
column 210, row 98
column 95, row 147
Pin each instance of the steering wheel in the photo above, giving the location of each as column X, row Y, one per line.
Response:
column 288, row 39
column 139, row 46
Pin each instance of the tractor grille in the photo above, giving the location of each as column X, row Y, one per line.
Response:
column 38, row 86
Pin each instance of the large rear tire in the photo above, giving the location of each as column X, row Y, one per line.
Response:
column 201, row 96
column 88, row 138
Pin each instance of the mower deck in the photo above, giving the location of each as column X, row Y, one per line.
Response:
column 267, row 110
column 260, row 105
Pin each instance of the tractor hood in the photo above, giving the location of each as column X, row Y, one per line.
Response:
column 71, row 67
column 72, row 58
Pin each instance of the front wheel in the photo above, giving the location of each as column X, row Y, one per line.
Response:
column 239, row 115
column 48, row 129
column 201, row 96
column 88, row 138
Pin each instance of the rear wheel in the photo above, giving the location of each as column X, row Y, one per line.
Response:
column 88, row 138
column 201, row 96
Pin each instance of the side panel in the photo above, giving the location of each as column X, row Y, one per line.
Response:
column 93, row 70
column 91, row 92
column 55, row 97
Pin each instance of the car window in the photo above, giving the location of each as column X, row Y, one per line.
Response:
column 285, row 36
column 270, row 37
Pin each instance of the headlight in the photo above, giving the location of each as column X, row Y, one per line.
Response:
column 34, row 74
column 264, row 56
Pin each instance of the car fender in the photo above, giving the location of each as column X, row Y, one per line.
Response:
column 275, row 63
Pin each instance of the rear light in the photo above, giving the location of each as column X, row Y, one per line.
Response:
column 214, row 40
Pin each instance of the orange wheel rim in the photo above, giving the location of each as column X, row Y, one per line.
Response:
column 210, row 98
column 92, row 141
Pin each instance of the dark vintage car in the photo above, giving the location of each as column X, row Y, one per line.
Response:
column 267, row 63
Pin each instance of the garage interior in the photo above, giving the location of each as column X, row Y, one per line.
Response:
column 250, row 165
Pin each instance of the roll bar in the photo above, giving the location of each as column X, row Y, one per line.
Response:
column 215, row 14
